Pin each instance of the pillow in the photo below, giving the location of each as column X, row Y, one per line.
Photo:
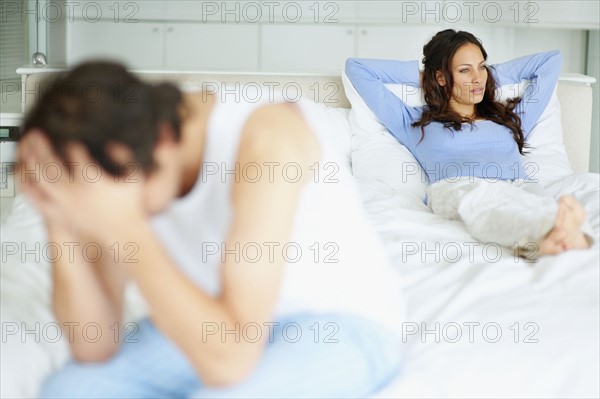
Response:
column 547, row 159
column 331, row 122
column 377, row 155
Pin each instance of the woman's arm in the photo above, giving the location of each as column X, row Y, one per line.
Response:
column 369, row 77
column 543, row 70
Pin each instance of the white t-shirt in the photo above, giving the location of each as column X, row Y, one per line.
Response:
column 334, row 261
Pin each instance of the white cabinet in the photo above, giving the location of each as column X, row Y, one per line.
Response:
column 159, row 45
column 139, row 45
column 398, row 42
column 393, row 42
column 315, row 36
column 314, row 12
column 498, row 41
column 578, row 14
column 569, row 42
column 210, row 11
column 459, row 15
column 297, row 48
column 486, row 13
column 414, row 12
column 126, row 11
column 222, row 47
column 248, row 11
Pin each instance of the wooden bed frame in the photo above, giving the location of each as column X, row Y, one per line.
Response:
column 574, row 93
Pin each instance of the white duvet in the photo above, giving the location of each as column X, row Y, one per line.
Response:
column 483, row 325
column 546, row 312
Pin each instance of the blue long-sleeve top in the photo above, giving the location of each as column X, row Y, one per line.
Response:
column 485, row 149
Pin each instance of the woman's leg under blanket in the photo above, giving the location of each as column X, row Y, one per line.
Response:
column 502, row 212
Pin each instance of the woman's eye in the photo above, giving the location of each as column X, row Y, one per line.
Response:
column 464, row 70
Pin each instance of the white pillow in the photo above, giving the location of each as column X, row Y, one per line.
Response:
column 546, row 158
column 377, row 155
column 331, row 122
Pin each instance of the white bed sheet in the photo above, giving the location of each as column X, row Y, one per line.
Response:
column 31, row 346
column 560, row 295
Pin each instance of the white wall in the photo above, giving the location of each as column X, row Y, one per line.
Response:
column 593, row 69
column 181, row 35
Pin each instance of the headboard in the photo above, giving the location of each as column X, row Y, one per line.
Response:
column 574, row 93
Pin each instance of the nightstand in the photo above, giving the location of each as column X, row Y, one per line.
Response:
column 9, row 135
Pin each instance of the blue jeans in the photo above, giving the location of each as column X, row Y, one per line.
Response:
column 326, row 355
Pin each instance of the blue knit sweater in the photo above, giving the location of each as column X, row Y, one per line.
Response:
column 485, row 149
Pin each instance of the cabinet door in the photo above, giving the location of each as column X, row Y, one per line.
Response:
column 222, row 47
column 406, row 43
column 393, row 42
column 116, row 10
column 243, row 11
column 499, row 41
column 570, row 42
column 306, row 48
column 313, row 12
column 578, row 14
column 415, row 12
column 138, row 45
column 459, row 15
column 489, row 13
column 249, row 11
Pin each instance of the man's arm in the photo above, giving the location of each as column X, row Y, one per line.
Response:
column 263, row 212
column 87, row 299
column 84, row 293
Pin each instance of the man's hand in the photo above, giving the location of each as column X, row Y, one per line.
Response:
column 76, row 193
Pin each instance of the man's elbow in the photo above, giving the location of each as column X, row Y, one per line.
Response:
column 93, row 353
column 223, row 380
column 232, row 371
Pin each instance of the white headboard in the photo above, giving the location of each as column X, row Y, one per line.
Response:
column 574, row 93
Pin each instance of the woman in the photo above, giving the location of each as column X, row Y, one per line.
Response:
column 262, row 280
column 470, row 145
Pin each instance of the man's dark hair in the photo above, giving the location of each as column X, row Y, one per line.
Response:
column 100, row 102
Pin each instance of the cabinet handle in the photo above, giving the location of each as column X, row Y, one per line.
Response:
column 170, row 29
column 350, row 31
column 154, row 29
column 364, row 32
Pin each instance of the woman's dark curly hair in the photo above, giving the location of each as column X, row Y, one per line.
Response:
column 438, row 55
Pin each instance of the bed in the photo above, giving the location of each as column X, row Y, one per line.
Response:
column 481, row 322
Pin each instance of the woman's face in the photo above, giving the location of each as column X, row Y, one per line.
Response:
column 469, row 75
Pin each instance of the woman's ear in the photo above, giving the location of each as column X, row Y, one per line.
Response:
column 441, row 79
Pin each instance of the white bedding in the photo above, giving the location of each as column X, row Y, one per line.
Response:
column 559, row 295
